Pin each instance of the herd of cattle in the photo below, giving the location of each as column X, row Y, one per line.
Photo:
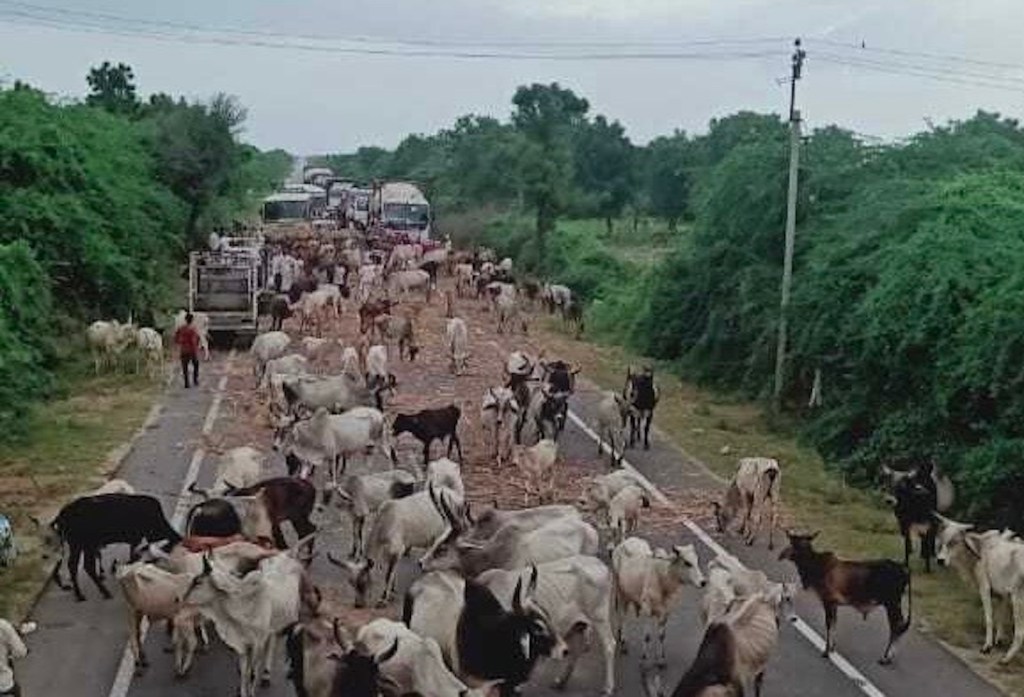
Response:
column 499, row 589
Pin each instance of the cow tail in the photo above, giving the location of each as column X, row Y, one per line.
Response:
column 407, row 604
column 910, row 599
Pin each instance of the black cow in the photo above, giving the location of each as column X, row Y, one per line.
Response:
column 90, row 523
column 494, row 643
column 429, row 425
column 915, row 505
column 213, row 518
column 642, row 395
column 560, row 376
column 280, row 310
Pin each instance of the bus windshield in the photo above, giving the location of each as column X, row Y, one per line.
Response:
column 285, row 210
column 406, row 216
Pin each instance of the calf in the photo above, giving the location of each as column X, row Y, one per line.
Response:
column 90, row 523
column 624, row 510
column 650, row 584
column 280, row 310
column 613, row 411
column 863, row 585
column 266, row 347
column 428, row 425
column 642, row 395
column 457, row 343
column 598, row 493
column 734, row 652
column 545, row 413
column 499, row 412
column 362, row 495
column 754, row 487
column 537, row 464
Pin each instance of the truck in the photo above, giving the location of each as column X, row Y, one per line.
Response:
column 317, row 176
column 400, row 208
column 225, row 284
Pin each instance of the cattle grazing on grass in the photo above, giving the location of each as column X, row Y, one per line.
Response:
column 863, row 585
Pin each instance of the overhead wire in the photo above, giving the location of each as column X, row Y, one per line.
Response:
column 951, row 77
column 65, row 18
column 864, row 47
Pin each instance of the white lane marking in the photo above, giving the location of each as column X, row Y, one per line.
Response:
column 126, row 669
column 581, row 424
column 804, row 629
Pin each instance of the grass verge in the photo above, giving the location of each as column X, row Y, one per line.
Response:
column 717, row 430
column 66, row 447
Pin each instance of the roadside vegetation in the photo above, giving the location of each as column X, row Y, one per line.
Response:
column 101, row 201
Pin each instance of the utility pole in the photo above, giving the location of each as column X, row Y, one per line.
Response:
column 787, row 264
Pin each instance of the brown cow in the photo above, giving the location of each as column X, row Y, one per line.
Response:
column 863, row 585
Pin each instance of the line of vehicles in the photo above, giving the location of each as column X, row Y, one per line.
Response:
column 394, row 207
column 227, row 280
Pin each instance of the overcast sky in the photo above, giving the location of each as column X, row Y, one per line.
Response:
column 317, row 101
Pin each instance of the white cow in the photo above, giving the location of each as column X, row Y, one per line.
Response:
column 151, row 350
column 107, row 341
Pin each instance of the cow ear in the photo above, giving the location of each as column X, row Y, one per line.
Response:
column 813, row 535
column 973, row 543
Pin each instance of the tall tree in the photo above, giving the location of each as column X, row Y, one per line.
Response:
column 668, row 173
column 547, row 115
column 604, row 167
column 112, row 88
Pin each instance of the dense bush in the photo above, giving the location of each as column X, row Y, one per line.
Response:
column 26, row 328
column 100, row 204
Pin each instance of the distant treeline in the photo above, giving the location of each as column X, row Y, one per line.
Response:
column 908, row 283
column 99, row 202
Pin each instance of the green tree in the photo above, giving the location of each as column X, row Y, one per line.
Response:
column 547, row 115
column 112, row 87
column 604, row 167
column 197, row 152
column 668, row 174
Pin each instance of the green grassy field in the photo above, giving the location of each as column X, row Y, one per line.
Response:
column 64, row 452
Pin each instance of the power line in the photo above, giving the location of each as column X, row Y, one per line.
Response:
column 895, row 70
column 938, row 70
column 23, row 18
column 40, row 11
column 920, row 54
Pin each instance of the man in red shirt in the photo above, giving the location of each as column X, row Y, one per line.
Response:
column 187, row 340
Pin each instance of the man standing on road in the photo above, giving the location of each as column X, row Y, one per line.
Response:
column 187, row 340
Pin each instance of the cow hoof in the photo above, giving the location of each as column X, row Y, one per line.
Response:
column 559, row 684
column 80, row 598
column 265, row 680
column 885, row 661
column 139, row 670
column 662, row 664
column 986, row 649
column 168, row 649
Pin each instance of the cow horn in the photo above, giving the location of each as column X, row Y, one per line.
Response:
column 532, row 586
column 389, row 654
column 517, row 597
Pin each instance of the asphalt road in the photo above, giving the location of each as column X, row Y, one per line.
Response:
column 79, row 647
